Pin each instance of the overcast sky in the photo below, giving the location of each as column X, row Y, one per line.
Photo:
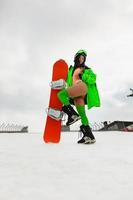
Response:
column 36, row 33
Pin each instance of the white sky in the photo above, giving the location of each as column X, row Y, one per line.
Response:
column 35, row 33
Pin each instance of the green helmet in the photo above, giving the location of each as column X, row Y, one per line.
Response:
column 81, row 52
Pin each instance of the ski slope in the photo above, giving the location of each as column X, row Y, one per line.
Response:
column 33, row 170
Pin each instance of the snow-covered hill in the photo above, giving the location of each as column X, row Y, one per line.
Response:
column 33, row 170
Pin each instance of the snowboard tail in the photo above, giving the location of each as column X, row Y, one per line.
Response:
column 52, row 130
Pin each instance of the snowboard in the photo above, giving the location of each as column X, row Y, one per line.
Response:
column 52, row 130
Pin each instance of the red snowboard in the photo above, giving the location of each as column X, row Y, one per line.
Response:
column 53, row 127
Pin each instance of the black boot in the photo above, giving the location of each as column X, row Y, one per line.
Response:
column 88, row 137
column 73, row 116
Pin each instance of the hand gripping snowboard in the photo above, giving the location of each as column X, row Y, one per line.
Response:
column 53, row 127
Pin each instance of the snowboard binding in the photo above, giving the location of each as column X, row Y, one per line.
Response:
column 55, row 113
column 58, row 84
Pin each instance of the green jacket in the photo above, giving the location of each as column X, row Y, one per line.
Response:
column 89, row 77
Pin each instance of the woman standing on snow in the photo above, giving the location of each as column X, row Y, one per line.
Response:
column 82, row 89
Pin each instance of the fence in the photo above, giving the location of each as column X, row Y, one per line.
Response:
column 13, row 128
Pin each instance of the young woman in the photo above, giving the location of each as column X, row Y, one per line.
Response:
column 81, row 90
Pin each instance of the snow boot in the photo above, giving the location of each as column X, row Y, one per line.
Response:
column 73, row 116
column 88, row 137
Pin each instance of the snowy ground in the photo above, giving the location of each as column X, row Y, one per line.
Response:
column 33, row 170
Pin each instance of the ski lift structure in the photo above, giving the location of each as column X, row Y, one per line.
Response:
column 130, row 95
